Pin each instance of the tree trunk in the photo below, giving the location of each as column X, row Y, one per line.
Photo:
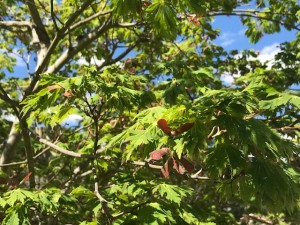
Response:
column 29, row 152
column 9, row 148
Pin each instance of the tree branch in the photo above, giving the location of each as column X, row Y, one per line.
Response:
column 76, row 175
column 241, row 14
column 132, row 209
column 96, row 155
column 288, row 129
column 29, row 151
column 24, row 161
column 10, row 25
column 95, row 113
column 67, row 55
column 53, row 16
column 81, row 22
column 38, row 24
column 257, row 11
column 10, row 144
column 61, row 150
column 4, row 96
column 153, row 166
column 128, row 25
column 119, row 57
column 59, row 35
column 43, row 63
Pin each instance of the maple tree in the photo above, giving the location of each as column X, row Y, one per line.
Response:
column 159, row 138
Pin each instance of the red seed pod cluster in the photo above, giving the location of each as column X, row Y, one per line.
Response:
column 163, row 125
column 180, row 165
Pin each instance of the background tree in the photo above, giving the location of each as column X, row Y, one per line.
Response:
column 161, row 140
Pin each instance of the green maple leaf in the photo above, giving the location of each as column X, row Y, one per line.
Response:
column 18, row 195
column 172, row 193
column 12, row 219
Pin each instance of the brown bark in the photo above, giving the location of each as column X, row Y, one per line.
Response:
column 9, row 148
column 29, row 152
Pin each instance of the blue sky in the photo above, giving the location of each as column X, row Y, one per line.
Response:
column 232, row 35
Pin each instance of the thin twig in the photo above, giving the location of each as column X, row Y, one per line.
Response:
column 96, row 113
column 53, row 16
column 253, row 16
column 132, row 209
column 82, row 22
column 119, row 57
column 49, row 181
column 4, row 96
column 14, row 163
column 62, row 150
column 75, row 175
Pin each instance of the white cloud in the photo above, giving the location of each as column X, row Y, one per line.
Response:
column 268, row 52
column 227, row 42
column 94, row 61
column 20, row 62
column 225, row 35
column 228, row 38
column 266, row 55
column 97, row 62
column 9, row 117
column 226, row 79
column 72, row 120
column 14, row 54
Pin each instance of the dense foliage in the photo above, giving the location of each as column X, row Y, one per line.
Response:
column 159, row 138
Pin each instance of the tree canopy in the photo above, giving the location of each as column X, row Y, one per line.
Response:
column 159, row 138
